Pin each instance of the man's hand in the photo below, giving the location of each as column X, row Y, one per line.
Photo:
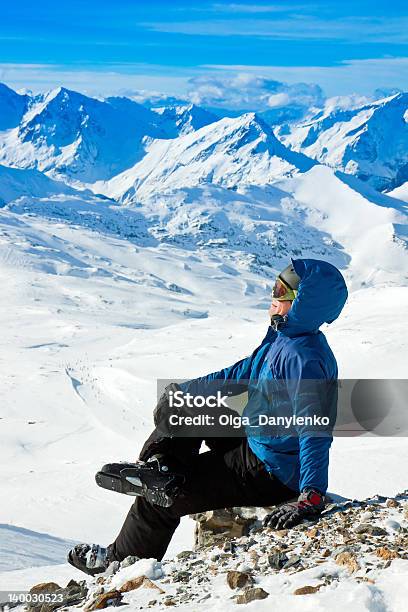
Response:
column 310, row 503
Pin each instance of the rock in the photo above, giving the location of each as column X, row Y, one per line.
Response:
column 130, row 560
column 307, row 590
column 392, row 503
column 251, row 594
column 182, row 576
column 111, row 598
column 216, row 526
column 185, row 554
column 206, row 596
column 293, row 560
column 229, row 547
column 348, row 560
column 312, row 533
column 73, row 583
column 73, row 594
column 45, row 587
column 393, row 525
column 386, row 554
column 136, row 583
column 379, row 499
column 277, row 560
column 373, row 530
column 237, row 580
column 281, row 533
column 244, row 567
column 326, row 553
column 170, row 601
column 112, row 568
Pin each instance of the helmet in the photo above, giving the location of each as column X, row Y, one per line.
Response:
column 286, row 284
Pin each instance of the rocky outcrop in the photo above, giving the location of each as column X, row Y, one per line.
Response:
column 215, row 527
column 236, row 559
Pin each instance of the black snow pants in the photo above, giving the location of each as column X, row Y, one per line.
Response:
column 228, row 475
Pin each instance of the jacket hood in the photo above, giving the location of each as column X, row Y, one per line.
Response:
column 320, row 299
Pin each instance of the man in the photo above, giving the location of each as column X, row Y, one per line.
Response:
column 292, row 370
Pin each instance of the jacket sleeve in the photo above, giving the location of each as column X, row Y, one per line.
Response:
column 233, row 379
column 312, row 395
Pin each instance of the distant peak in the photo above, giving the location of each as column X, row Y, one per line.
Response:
column 55, row 93
column 5, row 90
column 63, row 91
column 249, row 120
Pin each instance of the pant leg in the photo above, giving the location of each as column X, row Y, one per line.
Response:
column 236, row 478
column 183, row 448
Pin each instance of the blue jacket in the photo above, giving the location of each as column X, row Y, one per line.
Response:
column 296, row 352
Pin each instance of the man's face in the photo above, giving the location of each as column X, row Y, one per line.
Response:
column 278, row 307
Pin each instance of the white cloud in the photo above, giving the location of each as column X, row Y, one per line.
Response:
column 244, row 91
column 295, row 27
column 278, row 100
column 256, row 8
column 349, row 76
column 111, row 81
column 237, row 86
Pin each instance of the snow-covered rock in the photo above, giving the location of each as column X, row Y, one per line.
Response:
column 79, row 138
column 12, row 107
column 178, row 120
column 327, row 561
column 229, row 152
column 83, row 139
column 370, row 141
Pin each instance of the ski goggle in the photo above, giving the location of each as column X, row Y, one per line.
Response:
column 282, row 292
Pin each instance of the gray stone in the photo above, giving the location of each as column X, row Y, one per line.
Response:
column 130, row 560
column 185, row 554
column 277, row 560
column 182, row 576
column 368, row 529
column 293, row 560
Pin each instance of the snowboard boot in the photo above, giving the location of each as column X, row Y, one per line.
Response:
column 90, row 558
column 158, row 480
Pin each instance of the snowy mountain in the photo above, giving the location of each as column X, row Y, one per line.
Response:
column 12, row 107
column 229, row 152
column 16, row 182
column 400, row 192
column 252, row 228
column 177, row 120
column 82, row 139
column 78, row 138
column 370, row 141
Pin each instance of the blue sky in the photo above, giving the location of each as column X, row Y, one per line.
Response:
column 176, row 46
